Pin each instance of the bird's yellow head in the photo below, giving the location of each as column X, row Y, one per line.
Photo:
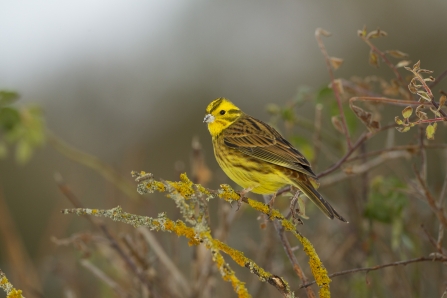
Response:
column 221, row 113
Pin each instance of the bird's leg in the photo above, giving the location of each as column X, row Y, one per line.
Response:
column 242, row 194
column 272, row 200
column 293, row 211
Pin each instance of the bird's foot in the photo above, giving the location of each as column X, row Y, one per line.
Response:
column 272, row 201
column 295, row 213
column 242, row 194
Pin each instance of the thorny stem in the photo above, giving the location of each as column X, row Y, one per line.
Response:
column 435, row 258
column 318, row 34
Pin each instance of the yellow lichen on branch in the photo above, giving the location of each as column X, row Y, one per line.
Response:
column 318, row 270
column 9, row 289
column 186, row 194
column 179, row 228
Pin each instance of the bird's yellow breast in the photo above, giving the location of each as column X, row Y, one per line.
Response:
column 249, row 173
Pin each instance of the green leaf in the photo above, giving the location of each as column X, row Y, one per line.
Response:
column 385, row 202
column 287, row 114
column 407, row 112
column 23, row 151
column 430, row 131
column 403, row 128
column 324, row 95
column 7, row 97
column 9, row 118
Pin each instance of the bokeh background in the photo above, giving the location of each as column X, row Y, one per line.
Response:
column 128, row 82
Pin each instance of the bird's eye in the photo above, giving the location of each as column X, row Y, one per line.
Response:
column 222, row 112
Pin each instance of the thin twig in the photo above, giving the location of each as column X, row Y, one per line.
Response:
column 438, row 79
column 63, row 187
column 387, row 62
column 430, row 200
column 435, row 258
column 421, row 80
column 432, row 240
column 397, row 102
column 177, row 276
column 288, row 249
column 423, row 153
column 412, row 149
column 354, row 147
column 364, row 167
column 104, row 277
column 318, row 33
column 316, row 138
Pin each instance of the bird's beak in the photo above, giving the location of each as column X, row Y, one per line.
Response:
column 208, row 119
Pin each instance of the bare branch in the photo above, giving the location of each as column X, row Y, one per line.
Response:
column 435, row 258
column 288, row 249
column 334, row 87
column 430, row 200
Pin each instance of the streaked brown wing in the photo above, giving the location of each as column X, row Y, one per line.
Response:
column 258, row 139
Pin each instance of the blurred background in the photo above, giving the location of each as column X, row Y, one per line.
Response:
column 129, row 81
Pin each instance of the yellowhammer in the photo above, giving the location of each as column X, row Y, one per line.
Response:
column 255, row 156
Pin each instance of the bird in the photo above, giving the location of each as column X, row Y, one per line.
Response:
column 257, row 157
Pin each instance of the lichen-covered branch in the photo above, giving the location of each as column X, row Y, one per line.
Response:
column 9, row 289
column 186, row 189
column 196, row 236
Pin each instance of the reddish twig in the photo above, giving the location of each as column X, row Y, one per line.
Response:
column 397, row 102
column 438, row 79
column 387, row 62
column 420, row 78
column 413, row 149
column 435, row 258
column 318, row 33
column 363, row 138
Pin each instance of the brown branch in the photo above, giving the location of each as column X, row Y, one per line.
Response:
column 421, row 80
column 387, row 62
column 435, row 258
column 397, row 102
column 288, row 249
column 335, row 166
column 413, row 149
column 101, row 275
column 318, row 33
column 438, row 79
column 63, row 187
column 432, row 240
column 430, row 200
column 316, row 137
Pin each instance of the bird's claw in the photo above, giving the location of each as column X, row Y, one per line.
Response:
column 242, row 194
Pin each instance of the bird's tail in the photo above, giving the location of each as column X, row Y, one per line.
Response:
column 305, row 185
